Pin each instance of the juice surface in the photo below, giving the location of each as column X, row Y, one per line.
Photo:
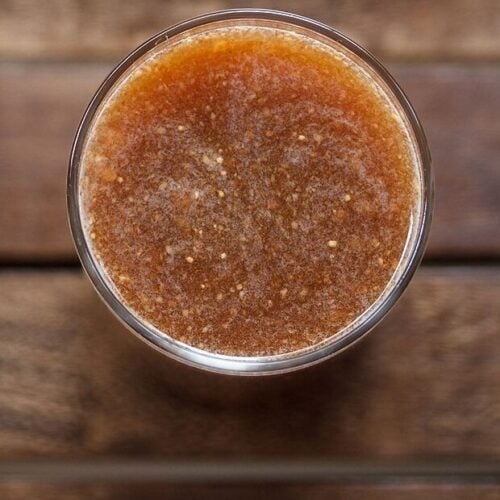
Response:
column 248, row 192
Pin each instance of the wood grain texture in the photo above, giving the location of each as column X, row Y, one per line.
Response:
column 72, row 29
column 426, row 383
column 40, row 110
column 124, row 491
column 42, row 104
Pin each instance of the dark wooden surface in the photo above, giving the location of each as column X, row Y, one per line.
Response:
column 426, row 383
column 127, row 491
column 458, row 105
column 417, row 29
column 79, row 395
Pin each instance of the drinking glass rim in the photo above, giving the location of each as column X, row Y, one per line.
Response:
column 247, row 365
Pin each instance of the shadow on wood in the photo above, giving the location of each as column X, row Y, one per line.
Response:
column 425, row 383
column 123, row 363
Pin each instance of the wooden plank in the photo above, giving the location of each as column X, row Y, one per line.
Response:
column 125, row 491
column 456, row 106
column 41, row 107
column 456, row 103
column 425, row 384
column 403, row 29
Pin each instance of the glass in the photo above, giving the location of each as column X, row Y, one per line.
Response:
column 412, row 253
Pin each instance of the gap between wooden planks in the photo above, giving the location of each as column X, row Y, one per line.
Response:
column 240, row 471
column 42, row 104
column 424, row 385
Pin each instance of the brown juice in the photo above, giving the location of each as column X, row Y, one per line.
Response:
column 248, row 192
